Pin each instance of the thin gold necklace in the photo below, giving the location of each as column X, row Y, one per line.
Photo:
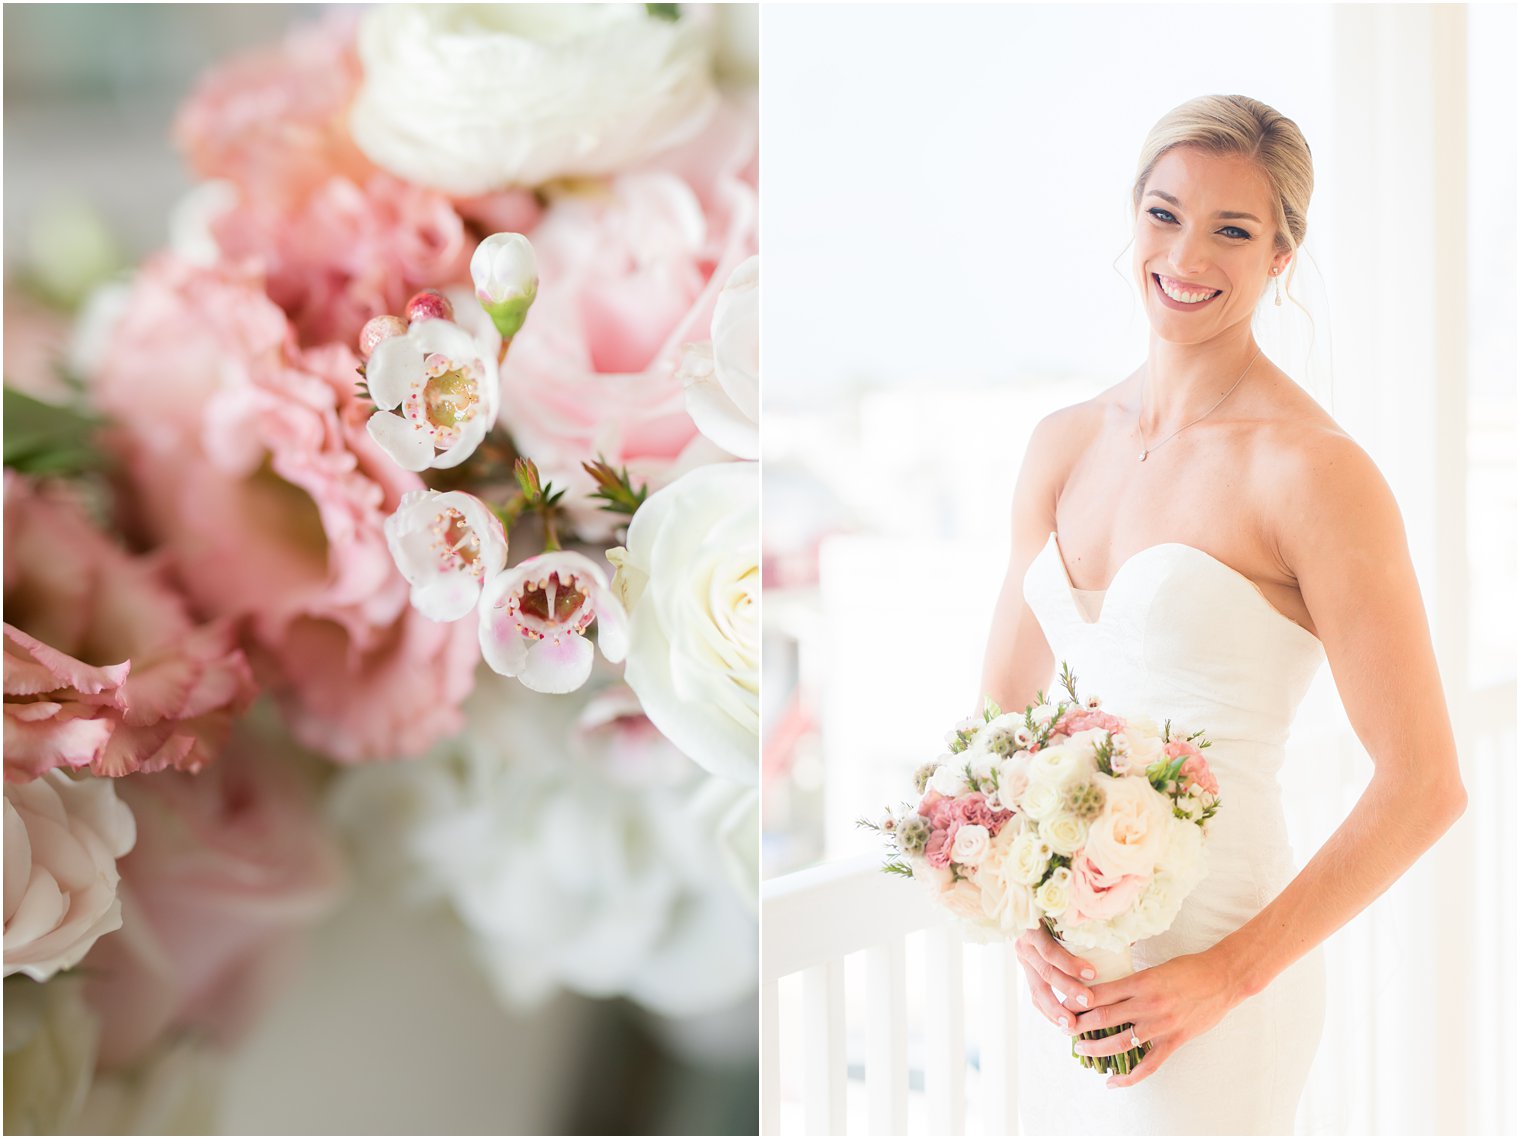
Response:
column 1148, row 449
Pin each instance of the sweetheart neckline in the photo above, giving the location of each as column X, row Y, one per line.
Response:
column 1054, row 541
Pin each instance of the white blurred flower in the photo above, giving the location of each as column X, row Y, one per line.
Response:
column 721, row 377
column 1056, row 764
column 446, row 545
column 1006, row 895
column 436, row 392
column 1064, row 832
column 1054, row 893
column 469, row 99
column 1041, row 800
column 950, row 779
column 176, row 1090
column 62, row 838
column 51, row 1037
column 564, row 873
column 1144, row 737
column 1028, row 856
column 689, row 577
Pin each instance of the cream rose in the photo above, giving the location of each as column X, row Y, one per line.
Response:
column 690, row 580
column 1028, row 856
column 62, row 839
column 970, row 845
column 1006, row 896
column 1041, row 800
column 1064, row 832
column 1130, row 835
column 1052, row 895
column 469, row 99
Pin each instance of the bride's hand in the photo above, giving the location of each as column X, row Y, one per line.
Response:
column 1168, row 1004
column 1055, row 974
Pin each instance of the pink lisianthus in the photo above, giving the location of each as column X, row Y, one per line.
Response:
column 274, row 121
column 1085, row 719
column 251, row 467
column 230, row 868
column 104, row 666
column 1096, row 896
column 629, row 272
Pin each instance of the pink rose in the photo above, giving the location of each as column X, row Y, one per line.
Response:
column 160, row 690
column 629, row 272
column 251, row 467
column 1096, row 896
column 1084, row 719
column 230, row 868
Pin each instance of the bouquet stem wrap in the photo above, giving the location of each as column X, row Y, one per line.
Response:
column 1111, row 965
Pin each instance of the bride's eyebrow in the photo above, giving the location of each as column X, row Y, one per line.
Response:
column 1165, row 197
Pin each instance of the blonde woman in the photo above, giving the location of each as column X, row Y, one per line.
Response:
column 1196, row 540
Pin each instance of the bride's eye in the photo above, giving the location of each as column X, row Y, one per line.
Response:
column 1155, row 210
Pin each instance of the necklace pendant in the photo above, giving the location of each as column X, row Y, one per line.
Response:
column 1143, row 454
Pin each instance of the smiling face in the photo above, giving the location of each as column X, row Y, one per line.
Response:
column 1204, row 243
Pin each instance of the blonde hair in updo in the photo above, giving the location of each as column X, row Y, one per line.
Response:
column 1237, row 124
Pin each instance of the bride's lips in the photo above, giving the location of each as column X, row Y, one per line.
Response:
column 1181, row 306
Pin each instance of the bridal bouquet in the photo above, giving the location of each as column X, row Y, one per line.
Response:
column 1063, row 814
column 446, row 384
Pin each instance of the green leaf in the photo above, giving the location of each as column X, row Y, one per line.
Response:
column 49, row 439
column 671, row 12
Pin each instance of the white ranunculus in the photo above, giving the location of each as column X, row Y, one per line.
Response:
column 469, row 99
column 1053, row 894
column 1043, row 713
column 1041, row 800
column 721, row 377
column 62, row 838
column 970, row 845
column 1129, row 836
column 1064, row 832
column 1055, row 765
column 689, row 578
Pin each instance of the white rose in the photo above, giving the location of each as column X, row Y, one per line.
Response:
column 690, row 580
column 1006, row 897
column 970, row 845
column 950, row 779
column 62, row 839
column 1144, row 741
column 963, row 898
column 1052, row 896
column 1028, row 856
column 1059, row 763
column 721, row 377
column 51, row 1039
column 1130, row 835
column 1012, row 779
column 1041, row 800
column 474, row 98
column 1064, row 832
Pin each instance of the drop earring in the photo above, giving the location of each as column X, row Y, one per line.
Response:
column 1278, row 279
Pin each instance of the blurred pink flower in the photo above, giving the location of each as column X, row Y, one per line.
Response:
column 629, row 272
column 230, row 868
column 251, row 467
column 1195, row 769
column 104, row 666
column 1085, row 719
column 275, row 120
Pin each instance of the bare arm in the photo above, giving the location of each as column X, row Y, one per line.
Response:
column 1350, row 554
column 1018, row 660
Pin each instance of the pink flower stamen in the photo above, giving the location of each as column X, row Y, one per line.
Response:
column 450, row 398
column 456, row 544
column 552, row 606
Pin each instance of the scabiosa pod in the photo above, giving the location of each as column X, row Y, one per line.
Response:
column 446, row 544
column 436, row 392
column 533, row 619
column 505, row 273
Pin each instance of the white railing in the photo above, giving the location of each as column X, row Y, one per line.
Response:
column 846, row 930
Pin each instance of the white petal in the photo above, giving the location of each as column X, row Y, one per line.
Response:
column 558, row 664
column 446, row 596
column 402, row 440
column 611, row 625
column 504, row 648
column 719, row 418
column 393, row 367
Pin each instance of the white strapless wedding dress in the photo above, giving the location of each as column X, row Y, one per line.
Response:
column 1178, row 633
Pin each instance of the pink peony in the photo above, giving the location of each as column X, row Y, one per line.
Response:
column 629, row 272
column 1096, row 896
column 1084, row 719
column 104, row 667
column 251, row 466
column 230, row 868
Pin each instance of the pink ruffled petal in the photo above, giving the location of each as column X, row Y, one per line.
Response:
column 34, row 744
column 65, row 670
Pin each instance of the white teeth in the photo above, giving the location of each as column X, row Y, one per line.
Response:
column 1185, row 298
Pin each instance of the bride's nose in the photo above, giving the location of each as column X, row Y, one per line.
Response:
column 1189, row 254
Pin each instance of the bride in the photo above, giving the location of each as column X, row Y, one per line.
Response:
column 1193, row 541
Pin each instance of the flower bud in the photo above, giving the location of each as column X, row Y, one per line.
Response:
column 429, row 304
column 379, row 328
column 505, row 273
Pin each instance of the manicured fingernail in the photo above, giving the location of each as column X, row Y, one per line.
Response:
column 1088, row 974
column 1082, row 999
column 1065, row 1023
